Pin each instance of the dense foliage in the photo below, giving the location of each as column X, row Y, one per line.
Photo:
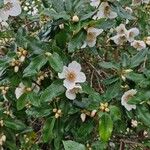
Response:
column 74, row 74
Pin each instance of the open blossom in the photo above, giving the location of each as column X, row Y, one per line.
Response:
column 11, row 8
column 71, row 93
column 132, row 33
column 121, row 29
column 95, row 3
column 139, row 45
column 126, row 96
column 92, row 34
column 105, row 11
column 21, row 89
column 72, row 75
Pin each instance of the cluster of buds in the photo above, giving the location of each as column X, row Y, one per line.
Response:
column 41, row 76
column 26, row 138
column 58, row 112
column 104, row 107
column 86, row 113
column 28, row 105
column 1, row 123
column 4, row 89
column 16, row 64
column 124, row 73
column 22, row 54
column 88, row 146
column 134, row 123
column 9, row 113
column 2, row 139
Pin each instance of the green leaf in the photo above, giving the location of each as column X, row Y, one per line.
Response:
column 36, row 64
column 22, row 101
column 14, row 124
column 54, row 90
column 115, row 113
column 48, row 129
column 108, row 65
column 143, row 115
column 72, row 145
column 105, row 127
column 76, row 42
column 56, row 62
column 138, row 58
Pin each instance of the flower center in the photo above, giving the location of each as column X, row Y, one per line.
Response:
column 131, row 34
column 90, row 36
column 107, row 11
column 8, row 6
column 71, row 76
column 128, row 97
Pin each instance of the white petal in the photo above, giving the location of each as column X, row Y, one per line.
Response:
column 64, row 72
column 84, row 45
column 132, row 33
column 15, row 10
column 95, row 31
column 99, row 15
column 83, row 117
column 121, row 29
column 18, row 92
column 112, row 15
column 81, row 77
column 74, row 66
column 3, row 15
column 95, row 3
column 91, row 43
column 69, row 85
column 70, row 95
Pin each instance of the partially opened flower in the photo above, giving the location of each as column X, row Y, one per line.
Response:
column 119, row 39
column 72, row 75
column 71, row 94
column 95, row 3
column 125, row 98
column 21, row 89
column 121, row 29
column 105, row 11
column 132, row 33
column 12, row 7
column 92, row 34
column 139, row 45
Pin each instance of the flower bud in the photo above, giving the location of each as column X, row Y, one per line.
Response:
column 3, row 138
column 22, row 58
column 61, row 26
column 93, row 113
column 16, row 69
column 75, row 18
column 57, row 115
column 48, row 54
column 55, row 110
column 83, row 117
column 59, row 111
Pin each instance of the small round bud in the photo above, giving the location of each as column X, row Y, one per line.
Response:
column 61, row 26
column 16, row 69
column 59, row 111
column 93, row 113
column 48, row 54
column 57, row 115
column 75, row 18
column 106, row 109
column 3, row 138
column 55, row 110
column 28, row 89
column 83, row 117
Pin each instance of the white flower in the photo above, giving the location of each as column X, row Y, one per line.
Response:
column 132, row 33
column 95, row 3
column 92, row 34
column 71, row 94
column 11, row 8
column 126, row 96
column 72, row 75
column 121, row 29
column 119, row 39
column 104, row 11
column 22, row 89
column 139, row 45
column 129, row 10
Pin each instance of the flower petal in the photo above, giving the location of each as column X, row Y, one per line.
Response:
column 80, row 77
column 64, row 72
column 74, row 66
column 69, row 85
column 70, row 95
